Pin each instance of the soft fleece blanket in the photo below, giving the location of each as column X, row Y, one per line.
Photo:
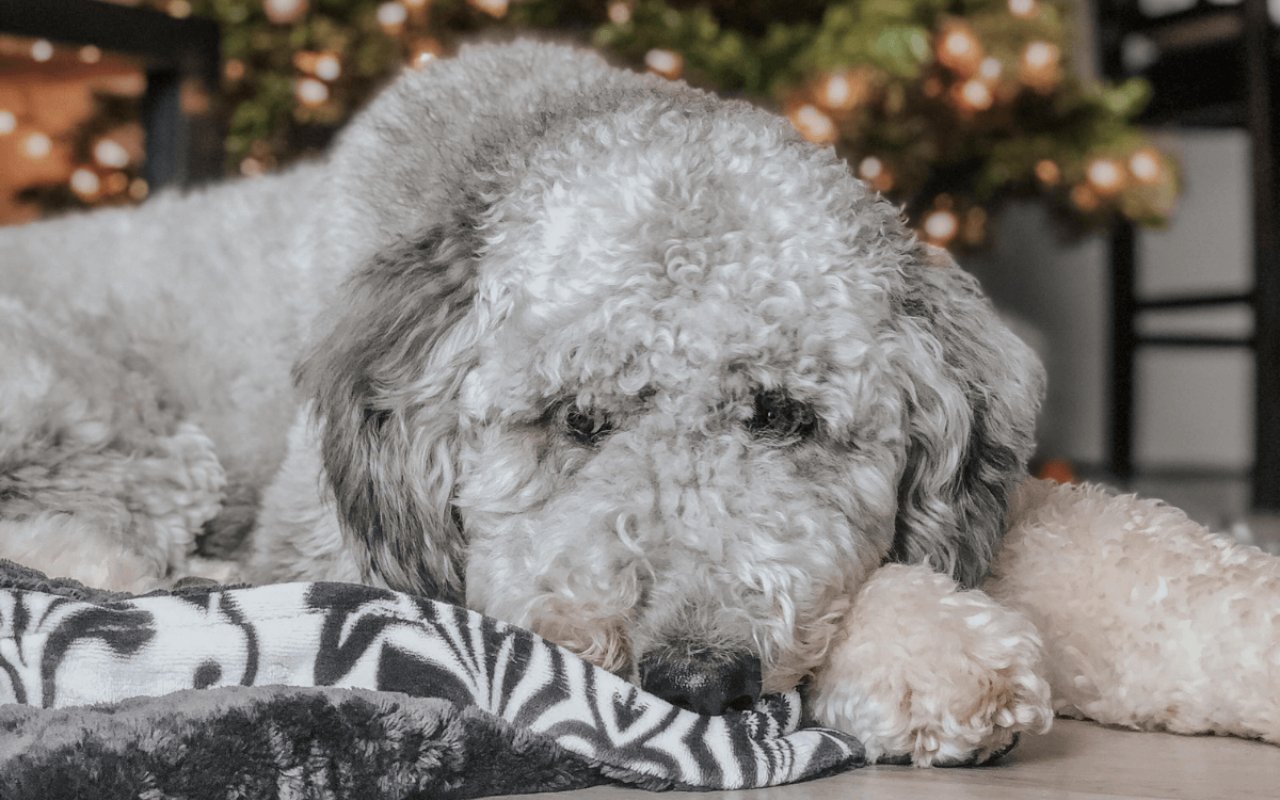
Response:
column 337, row 690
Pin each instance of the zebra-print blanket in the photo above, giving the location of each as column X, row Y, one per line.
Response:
column 63, row 649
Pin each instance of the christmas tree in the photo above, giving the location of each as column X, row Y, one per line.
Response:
column 948, row 107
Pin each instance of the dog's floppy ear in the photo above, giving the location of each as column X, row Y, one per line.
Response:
column 973, row 391
column 384, row 375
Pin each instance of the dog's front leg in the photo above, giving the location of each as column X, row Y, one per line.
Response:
column 932, row 673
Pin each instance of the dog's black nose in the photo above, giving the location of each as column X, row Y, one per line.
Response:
column 713, row 683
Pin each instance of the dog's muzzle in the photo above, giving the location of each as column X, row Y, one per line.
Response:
column 712, row 683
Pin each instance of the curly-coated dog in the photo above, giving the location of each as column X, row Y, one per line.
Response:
column 592, row 352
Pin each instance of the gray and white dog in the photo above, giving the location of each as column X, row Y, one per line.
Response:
column 589, row 351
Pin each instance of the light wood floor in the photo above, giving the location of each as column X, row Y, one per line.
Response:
column 1076, row 760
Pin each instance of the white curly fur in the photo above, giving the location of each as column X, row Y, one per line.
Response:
column 495, row 242
column 947, row 676
column 1150, row 621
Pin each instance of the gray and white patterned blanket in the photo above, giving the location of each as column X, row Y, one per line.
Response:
column 333, row 690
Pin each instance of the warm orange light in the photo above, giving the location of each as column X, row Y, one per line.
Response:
column 1047, row 172
column 8, row 122
column 494, row 8
column 41, row 50
column 1024, row 8
column 1084, row 198
column 973, row 95
column 667, row 63
column 813, row 124
column 619, row 12
column 1105, row 175
column 283, row 12
column 1039, row 65
column 1145, row 164
column 85, row 183
column 392, row 16
column 110, row 153
column 310, row 92
column 328, row 67
column 959, row 49
column 941, row 226
column 37, row 145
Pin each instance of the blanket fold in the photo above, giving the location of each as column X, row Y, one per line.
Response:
column 338, row 690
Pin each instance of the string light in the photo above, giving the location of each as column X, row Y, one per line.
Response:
column 234, row 69
column 1105, row 176
column 1084, row 198
column 90, row 54
column 110, row 153
column 941, row 226
column 990, row 69
column 424, row 52
column 138, row 189
column 85, row 183
column 310, row 92
column 813, row 124
column 41, row 50
column 667, row 63
column 973, row 95
column 179, row 9
column 494, row 8
column 974, row 231
column 251, row 167
column 1024, row 9
column 37, row 145
column 873, row 171
column 619, row 12
column 392, row 16
column 1145, row 165
column 1047, row 172
column 117, row 182
column 959, row 49
column 8, row 122
column 328, row 67
column 414, row 3
column 284, row 12
column 844, row 91
column 1039, row 65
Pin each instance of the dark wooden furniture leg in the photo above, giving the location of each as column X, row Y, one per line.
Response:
column 1260, row 53
column 1124, row 258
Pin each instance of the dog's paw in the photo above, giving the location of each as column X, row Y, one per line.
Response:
column 932, row 675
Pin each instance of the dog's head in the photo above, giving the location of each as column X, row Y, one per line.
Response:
column 669, row 398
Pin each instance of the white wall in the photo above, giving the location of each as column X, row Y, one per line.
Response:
column 1193, row 406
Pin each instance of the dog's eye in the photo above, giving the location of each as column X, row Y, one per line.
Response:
column 587, row 427
column 778, row 415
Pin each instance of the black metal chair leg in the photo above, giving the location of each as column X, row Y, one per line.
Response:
column 1123, row 256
